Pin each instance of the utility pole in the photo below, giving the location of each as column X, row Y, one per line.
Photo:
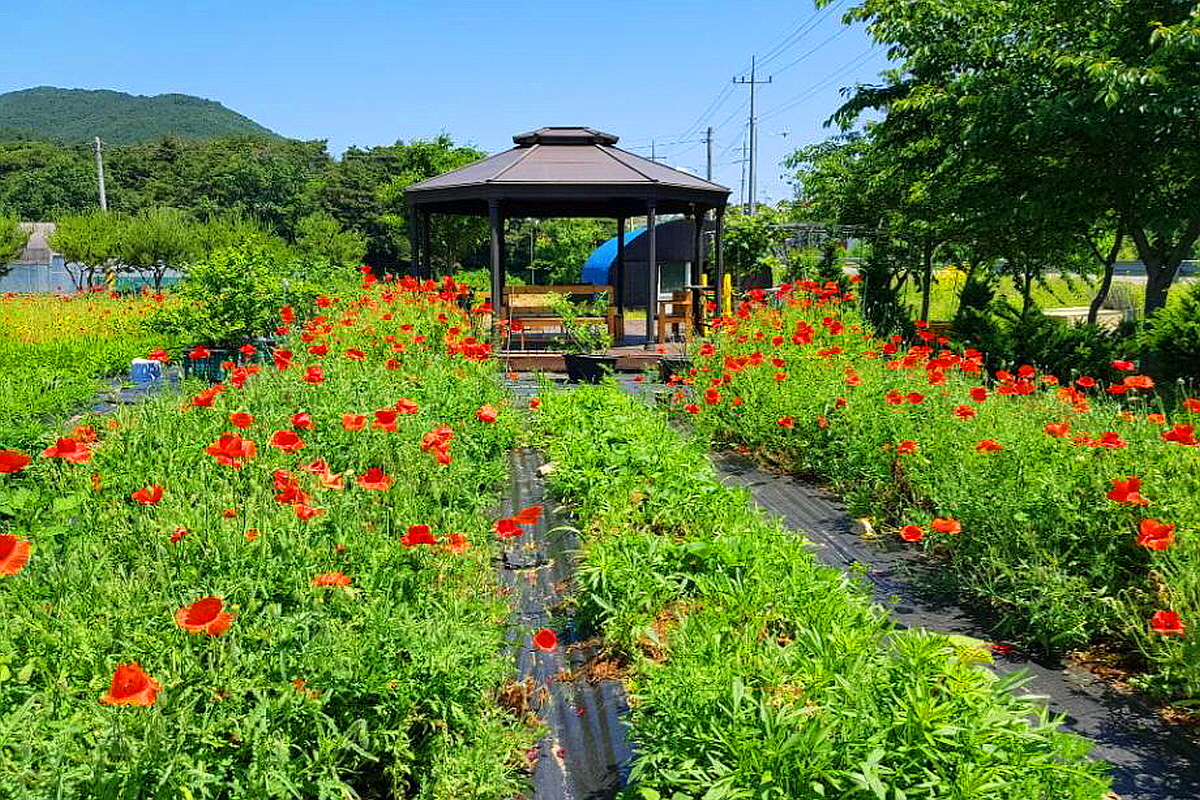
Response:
column 100, row 176
column 653, row 152
column 708, row 143
column 753, row 129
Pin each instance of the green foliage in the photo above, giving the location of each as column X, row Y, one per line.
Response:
column 560, row 248
column 320, row 237
column 1042, row 546
column 385, row 688
column 12, row 239
column 1173, row 338
column 750, row 241
column 583, row 323
column 38, row 181
column 156, row 239
column 758, row 672
column 93, row 240
column 78, row 115
column 234, row 294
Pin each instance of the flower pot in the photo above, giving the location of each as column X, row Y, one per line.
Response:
column 588, row 369
column 208, row 369
column 673, row 366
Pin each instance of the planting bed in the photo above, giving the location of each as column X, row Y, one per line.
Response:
column 233, row 592
column 752, row 668
column 1070, row 511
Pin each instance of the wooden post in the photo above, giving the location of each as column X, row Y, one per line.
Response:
column 719, row 246
column 651, row 275
column 619, row 282
column 497, row 257
column 426, row 248
column 414, row 241
column 697, row 271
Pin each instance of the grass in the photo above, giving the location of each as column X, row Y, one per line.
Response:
column 756, row 672
column 384, row 687
column 53, row 353
column 1040, row 541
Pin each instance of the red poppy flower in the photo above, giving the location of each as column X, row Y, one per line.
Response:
column 302, row 421
column 287, row 441
column 1166, row 622
column 712, row 397
column 318, row 350
column 198, row 353
column 988, row 446
column 282, row 358
column 148, row 495
column 241, row 419
column 375, row 479
column 979, row 394
column 508, row 529
column 305, row 512
column 487, row 414
column 458, row 543
column 205, row 399
column 780, row 377
column 1155, row 535
column 417, row 535
column 528, row 516
column 1087, row 382
column 692, row 409
column 353, row 423
column 287, row 315
column 964, row 412
column 354, row 354
column 893, row 397
column 786, row 422
column 131, row 686
column 535, row 403
column 207, row 615
column 1123, row 366
column 68, row 450
column 12, row 461
column 545, row 640
column 407, row 407
column 1181, row 434
column 950, row 527
column 385, row 420
column 326, row 579
column 1138, row 382
column 232, row 450
column 178, row 534
column 251, row 534
column 1156, row 419
column 14, row 554
column 1127, row 492
column 1192, row 405
column 314, row 374
column 914, row 397
column 1111, row 441
column 323, row 302
column 912, row 533
column 906, row 447
column 160, row 355
column 1058, row 429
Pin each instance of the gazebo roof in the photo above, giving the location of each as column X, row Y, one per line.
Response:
column 565, row 172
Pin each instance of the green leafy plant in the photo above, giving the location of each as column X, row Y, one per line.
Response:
column 583, row 323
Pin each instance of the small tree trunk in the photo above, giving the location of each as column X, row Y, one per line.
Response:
column 926, row 279
column 1109, row 265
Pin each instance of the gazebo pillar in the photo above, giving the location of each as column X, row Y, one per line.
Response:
column 619, row 283
column 497, row 249
column 651, row 275
column 719, row 246
column 414, row 241
column 697, row 270
column 426, row 249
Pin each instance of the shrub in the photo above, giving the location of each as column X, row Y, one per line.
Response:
column 1172, row 340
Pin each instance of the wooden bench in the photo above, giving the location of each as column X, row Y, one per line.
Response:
column 527, row 308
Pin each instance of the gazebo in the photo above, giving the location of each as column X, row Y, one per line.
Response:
column 570, row 172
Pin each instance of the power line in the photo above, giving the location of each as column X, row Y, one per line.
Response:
column 717, row 102
column 809, row 52
column 792, row 102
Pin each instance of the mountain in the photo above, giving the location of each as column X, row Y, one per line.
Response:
column 77, row 115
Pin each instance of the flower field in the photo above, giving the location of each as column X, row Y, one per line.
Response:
column 277, row 586
column 754, row 670
column 53, row 350
column 1071, row 511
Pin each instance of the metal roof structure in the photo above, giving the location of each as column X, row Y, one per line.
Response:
column 569, row 171
column 566, row 172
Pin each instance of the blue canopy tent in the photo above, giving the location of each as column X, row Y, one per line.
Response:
column 597, row 270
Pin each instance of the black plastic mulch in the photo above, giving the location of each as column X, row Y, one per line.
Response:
column 585, row 753
column 1151, row 759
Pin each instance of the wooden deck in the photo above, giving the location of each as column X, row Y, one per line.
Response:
column 632, row 353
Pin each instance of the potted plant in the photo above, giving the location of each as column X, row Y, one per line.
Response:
column 586, row 338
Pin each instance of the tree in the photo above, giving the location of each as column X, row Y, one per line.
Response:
column 87, row 242
column 1066, row 110
column 155, row 240
column 39, row 181
column 13, row 239
column 319, row 235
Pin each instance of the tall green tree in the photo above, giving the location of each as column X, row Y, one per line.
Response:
column 13, row 239
column 155, row 240
column 89, row 242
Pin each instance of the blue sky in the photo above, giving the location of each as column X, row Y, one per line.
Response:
column 371, row 72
